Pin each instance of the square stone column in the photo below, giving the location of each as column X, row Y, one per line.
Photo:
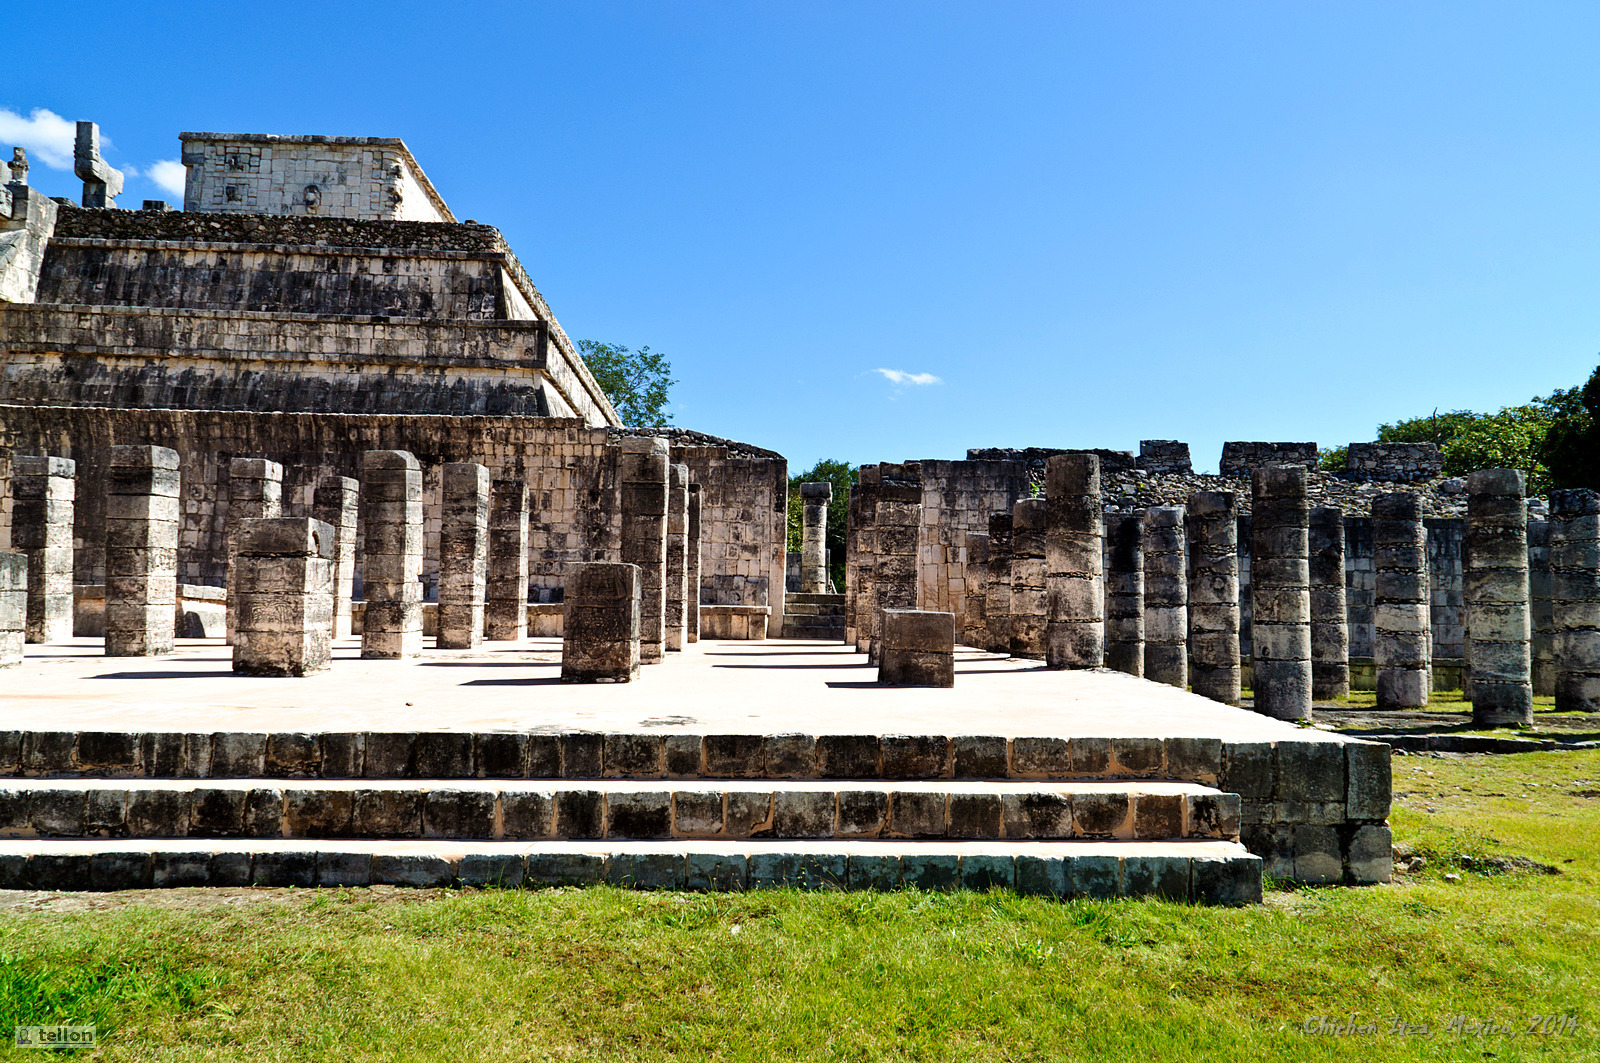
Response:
column 141, row 551
column 865, row 561
column 691, row 601
column 43, row 491
column 814, row 500
column 255, row 490
column 1280, row 593
column 1575, row 599
column 1029, row 582
column 505, row 616
column 1541, row 611
column 1498, row 629
column 919, row 648
column 643, row 470
column 391, row 560
column 1402, row 641
column 1124, row 554
column 336, row 503
column 1071, row 538
column 975, row 580
column 997, row 590
column 601, row 621
column 463, row 554
column 1214, row 659
column 1330, row 628
column 13, row 607
column 1166, row 597
column 898, row 530
column 284, row 575
column 677, row 627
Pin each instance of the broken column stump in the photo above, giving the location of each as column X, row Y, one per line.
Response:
column 284, row 579
column 601, row 622
column 141, row 551
column 919, row 649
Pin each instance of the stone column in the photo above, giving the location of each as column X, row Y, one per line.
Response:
column 1330, row 628
column 41, row 528
column 284, row 576
column 1497, row 599
column 1541, row 612
column 1074, row 633
column 1029, row 579
column 852, row 522
column 814, row 499
column 918, row 649
column 677, row 628
column 505, row 609
column 463, row 554
column 975, row 582
column 643, row 471
column 691, row 608
column 255, row 490
column 336, row 503
column 13, row 607
column 1575, row 598
column 391, row 505
column 600, row 629
column 898, row 530
column 1166, row 597
column 1214, row 596
column 997, row 595
column 1125, row 592
column 866, row 563
column 1402, row 641
column 141, row 551
column 1280, row 593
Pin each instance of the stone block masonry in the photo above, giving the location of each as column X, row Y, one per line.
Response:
column 1029, row 582
column 814, row 498
column 463, row 554
column 336, row 503
column 601, row 626
column 691, row 606
column 1541, row 611
column 1575, row 598
column 997, row 586
column 898, row 531
column 976, row 585
column 141, row 551
column 1214, row 658
column 1393, row 462
column 391, row 508
column 676, row 630
column 1403, row 640
column 285, row 582
column 43, row 493
column 1280, row 593
column 1242, row 459
column 505, row 616
column 1073, row 522
column 1124, row 555
column 13, row 607
column 1330, row 628
column 1165, row 457
column 1498, row 656
column 1166, row 597
column 918, row 649
column 643, row 469
column 255, row 490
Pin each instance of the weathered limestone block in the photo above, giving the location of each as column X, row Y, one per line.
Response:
column 141, row 551
column 601, row 624
column 1541, row 613
column 1498, row 629
column 1214, row 596
column 284, row 569
column 691, row 606
column 814, row 500
column 505, row 612
column 391, row 505
column 13, row 607
column 1166, row 597
column 997, row 588
column 1070, row 521
column 43, row 491
column 898, row 532
column 1402, row 644
column 1280, row 593
column 1575, row 598
column 255, row 490
column 643, row 472
column 336, row 502
column 463, row 554
column 975, row 580
column 1124, row 553
column 1330, row 628
column 677, row 628
column 919, row 649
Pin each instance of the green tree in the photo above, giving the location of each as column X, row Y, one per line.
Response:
column 841, row 474
column 1514, row 437
column 638, row 383
column 1572, row 445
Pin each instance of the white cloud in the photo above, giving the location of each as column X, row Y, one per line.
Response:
column 169, row 174
column 47, row 136
column 900, row 377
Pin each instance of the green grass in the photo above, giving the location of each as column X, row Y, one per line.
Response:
column 604, row 974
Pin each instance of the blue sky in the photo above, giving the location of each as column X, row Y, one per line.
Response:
column 1066, row 224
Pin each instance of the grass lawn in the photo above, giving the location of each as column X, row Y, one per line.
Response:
column 604, row 974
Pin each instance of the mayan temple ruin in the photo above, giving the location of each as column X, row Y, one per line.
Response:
column 395, row 597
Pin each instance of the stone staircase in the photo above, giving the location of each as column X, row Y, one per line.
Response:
column 111, row 810
column 813, row 616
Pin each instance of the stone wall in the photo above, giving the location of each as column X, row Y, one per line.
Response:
column 1239, row 458
column 957, row 498
column 1393, row 462
column 1168, row 456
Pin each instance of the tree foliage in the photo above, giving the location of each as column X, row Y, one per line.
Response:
column 638, row 383
column 1514, row 437
column 841, row 474
column 1572, row 445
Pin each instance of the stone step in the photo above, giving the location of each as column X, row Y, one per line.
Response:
column 1216, row 872
column 1152, row 810
column 813, row 599
column 828, row 611
column 832, row 629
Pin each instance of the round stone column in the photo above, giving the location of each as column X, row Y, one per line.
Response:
column 1166, row 597
column 814, row 499
column 1280, row 593
column 1214, row 595
column 1402, row 643
column 1498, row 630
column 1073, row 524
column 1575, row 598
column 1330, row 628
column 1125, row 592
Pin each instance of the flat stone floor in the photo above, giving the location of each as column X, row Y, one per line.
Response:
column 765, row 687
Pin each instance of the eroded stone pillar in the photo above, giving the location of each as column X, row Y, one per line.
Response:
column 391, row 563
column 284, row 575
column 975, row 582
column 1214, row 660
column 1575, row 598
column 1402, row 641
column 463, row 554
column 1541, row 612
column 814, row 499
column 691, row 615
column 1330, row 627
column 1074, row 605
column 898, row 531
column 505, row 610
column 141, row 551
column 643, row 471
column 43, row 492
column 918, row 649
column 1498, row 629
column 677, row 628
column 1028, row 579
column 1124, row 551
column 997, row 594
column 865, row 565
column 1280, row 593
column 255, row 490
column 13, row 607
column 1166, row 597
column 336, row 503
column 601, row 623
